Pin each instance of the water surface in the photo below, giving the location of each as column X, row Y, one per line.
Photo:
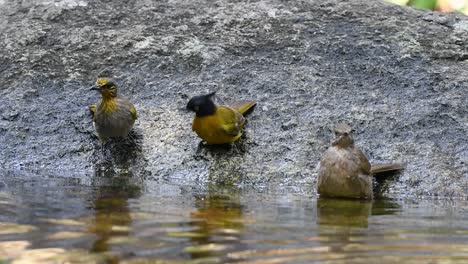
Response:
column 119, row 219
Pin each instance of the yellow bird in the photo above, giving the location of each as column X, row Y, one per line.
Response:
column 217, row 124
column 114, row 116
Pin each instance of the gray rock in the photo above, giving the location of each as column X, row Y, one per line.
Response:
column 398, row 75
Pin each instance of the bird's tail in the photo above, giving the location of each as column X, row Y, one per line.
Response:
column 389, row 167
column 243, row 106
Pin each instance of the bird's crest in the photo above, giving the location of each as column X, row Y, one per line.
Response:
column 202, row 105
column 102, row 81
column 343, row 128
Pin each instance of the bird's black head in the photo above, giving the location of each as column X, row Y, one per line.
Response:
column 202, row 105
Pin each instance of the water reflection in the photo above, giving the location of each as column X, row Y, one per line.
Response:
column 343, row 212
column 114, row 219
column 112, row 215
column 342, row 221
column 345, row 224
column 218, row 215
column 352, row 212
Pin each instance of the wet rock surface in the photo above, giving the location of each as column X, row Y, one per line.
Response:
column 398, row 75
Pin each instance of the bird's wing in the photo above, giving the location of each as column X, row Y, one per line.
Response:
column 93, row 109
column 365, row 165
column 231, row 120
column 133, row 112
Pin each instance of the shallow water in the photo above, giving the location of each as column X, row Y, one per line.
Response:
column 121, row 219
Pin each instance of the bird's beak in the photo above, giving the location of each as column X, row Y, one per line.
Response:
column 189, row 107
column 94, row 88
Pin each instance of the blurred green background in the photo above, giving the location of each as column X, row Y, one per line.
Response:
column 439, row 5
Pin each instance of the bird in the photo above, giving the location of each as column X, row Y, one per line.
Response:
column 344, row 169
column 114, row 116
column 218, row 124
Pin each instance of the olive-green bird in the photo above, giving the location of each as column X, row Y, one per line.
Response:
column 218, row 124
column 114, row 116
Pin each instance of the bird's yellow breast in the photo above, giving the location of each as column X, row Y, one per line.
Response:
column 216, row 128
column 108, row 105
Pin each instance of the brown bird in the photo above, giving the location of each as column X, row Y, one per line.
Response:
column 345, row 171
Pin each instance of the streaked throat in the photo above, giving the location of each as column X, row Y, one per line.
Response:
column 108, row 104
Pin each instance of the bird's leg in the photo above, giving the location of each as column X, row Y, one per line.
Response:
column 104, row 158
column 103, row 152
column 239, row 145
column 132, row 137
column 200, row 147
